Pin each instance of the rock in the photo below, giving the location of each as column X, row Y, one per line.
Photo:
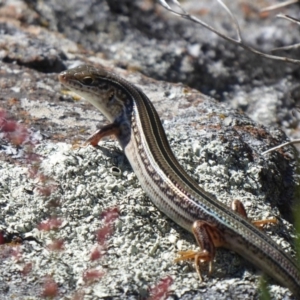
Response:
column 43, row 179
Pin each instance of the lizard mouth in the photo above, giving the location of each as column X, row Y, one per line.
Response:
column 62, row 77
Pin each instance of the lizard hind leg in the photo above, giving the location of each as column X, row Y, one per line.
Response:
column 208, row 238
column 238, row 207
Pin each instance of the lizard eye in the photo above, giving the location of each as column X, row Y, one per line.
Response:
column 87, row 80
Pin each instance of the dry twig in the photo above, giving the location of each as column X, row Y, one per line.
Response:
column 289, row 18
column 293, row 20
column 238, row 41
column 281, row 145
column 278, row 5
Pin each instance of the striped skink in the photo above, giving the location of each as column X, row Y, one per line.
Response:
column 136, row 124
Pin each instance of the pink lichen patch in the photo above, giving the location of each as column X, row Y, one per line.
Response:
column 26, row 269
column 96, row 254
column 109, row 216
column 19, row 136
column 33, row 170
column 8, row 126
column 2, row 117
column 16, row 253
column 16, row 133
column 4, row 251
column 91, row 276
column 43, row 178
column 103, row 233
column 10, row 250
column 32, row 157
column 50, row 224
column 79, row 295
column 46, row 190
column 161, row 289
column 13, row 131
column 50, row 288
column 2, row 238
column 56, row 245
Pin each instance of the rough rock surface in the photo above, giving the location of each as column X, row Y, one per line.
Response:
column 218, row 145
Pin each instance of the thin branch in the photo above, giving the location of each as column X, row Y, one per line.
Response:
column 281, row 145
column 289, row 18
column 293, row 20
column 185, row 15
column 291, row 47
column 278, row 5
column 233, row 18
